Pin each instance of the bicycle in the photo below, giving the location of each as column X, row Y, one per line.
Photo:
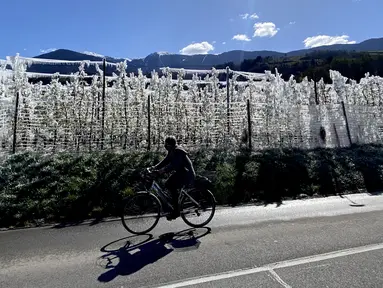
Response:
column 154, row 202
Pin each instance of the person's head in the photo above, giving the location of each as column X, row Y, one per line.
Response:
column 170, row 143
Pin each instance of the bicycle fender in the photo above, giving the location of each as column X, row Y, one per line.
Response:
column 206, row 190
column 215, row 201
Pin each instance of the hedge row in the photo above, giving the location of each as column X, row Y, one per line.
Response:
column 63, row 187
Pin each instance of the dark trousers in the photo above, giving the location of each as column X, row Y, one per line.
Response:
column 175, row 182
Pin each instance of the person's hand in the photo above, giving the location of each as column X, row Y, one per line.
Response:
column 154, row 171
column 151, row 169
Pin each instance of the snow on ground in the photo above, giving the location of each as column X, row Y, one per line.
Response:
column 92, row 54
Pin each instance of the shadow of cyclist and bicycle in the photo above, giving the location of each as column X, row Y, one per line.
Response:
column 128, row 255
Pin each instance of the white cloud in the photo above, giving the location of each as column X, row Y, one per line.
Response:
column 254, row 16
column 241, row 37
column 197, row 48
column 47, row 50
column 248, row 16
column 214, row 42
column 324, row 40
column 224, row 43
column 292, row 22
column 265, row 29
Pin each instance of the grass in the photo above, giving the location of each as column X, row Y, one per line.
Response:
column 38, row 188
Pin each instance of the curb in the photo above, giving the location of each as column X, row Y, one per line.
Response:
column 95, row 221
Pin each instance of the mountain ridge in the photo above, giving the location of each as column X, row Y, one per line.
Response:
column 367, row 45
column 156, row 60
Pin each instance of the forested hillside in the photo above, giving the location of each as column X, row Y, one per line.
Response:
column 316, row 65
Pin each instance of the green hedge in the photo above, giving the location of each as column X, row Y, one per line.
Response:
column 63, row 187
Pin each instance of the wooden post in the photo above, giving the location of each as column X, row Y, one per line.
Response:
column 103, row 104
column 149, row 132
column 347, row 126
column 249, row 124
column 15, row 122
column 336, row 135
column 316, row 92
column 228, row 98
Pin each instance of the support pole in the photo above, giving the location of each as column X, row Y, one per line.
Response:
column 249, row 124
column 149, row 132
column 15, row 122
column 103, row 104
column 347, row 126
column 228, row 98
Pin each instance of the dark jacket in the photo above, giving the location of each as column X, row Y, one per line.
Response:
column 178, row 160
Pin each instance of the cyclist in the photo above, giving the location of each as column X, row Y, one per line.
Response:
column 177, row 161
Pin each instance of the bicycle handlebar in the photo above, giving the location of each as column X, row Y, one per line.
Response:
column 149, row 170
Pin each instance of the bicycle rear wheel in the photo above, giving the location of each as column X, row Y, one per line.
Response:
column 141, row 213
column 198, row 215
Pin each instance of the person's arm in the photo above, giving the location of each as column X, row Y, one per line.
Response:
column 163, row 163
column 176, row 164
column 189, row 164
column 173, row 165
column 181, row 161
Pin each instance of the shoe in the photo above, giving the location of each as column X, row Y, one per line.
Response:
column 173, row 215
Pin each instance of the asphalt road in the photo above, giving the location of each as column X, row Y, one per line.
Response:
column 332, row 242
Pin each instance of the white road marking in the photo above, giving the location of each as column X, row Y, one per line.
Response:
column 279, row 279
column 273, row 266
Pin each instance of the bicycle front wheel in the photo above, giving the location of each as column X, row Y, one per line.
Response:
column 141, row 213
column 198, row 215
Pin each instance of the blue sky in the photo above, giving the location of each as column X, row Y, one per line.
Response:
column 136, row 28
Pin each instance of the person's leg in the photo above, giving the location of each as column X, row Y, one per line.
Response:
column 173, row 184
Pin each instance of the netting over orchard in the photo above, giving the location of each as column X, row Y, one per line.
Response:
column 135, row 112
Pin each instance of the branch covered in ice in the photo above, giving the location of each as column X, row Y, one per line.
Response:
column 249, row 75
column 50, row 75
column 31, row 61
column 191, row 71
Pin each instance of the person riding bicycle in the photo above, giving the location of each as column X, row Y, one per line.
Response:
column 177, row 161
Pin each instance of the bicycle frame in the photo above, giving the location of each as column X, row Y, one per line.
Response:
column 158, row 191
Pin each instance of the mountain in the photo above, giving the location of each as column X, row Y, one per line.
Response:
column 369, row 45
column 157, row 60
column 64, row 54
